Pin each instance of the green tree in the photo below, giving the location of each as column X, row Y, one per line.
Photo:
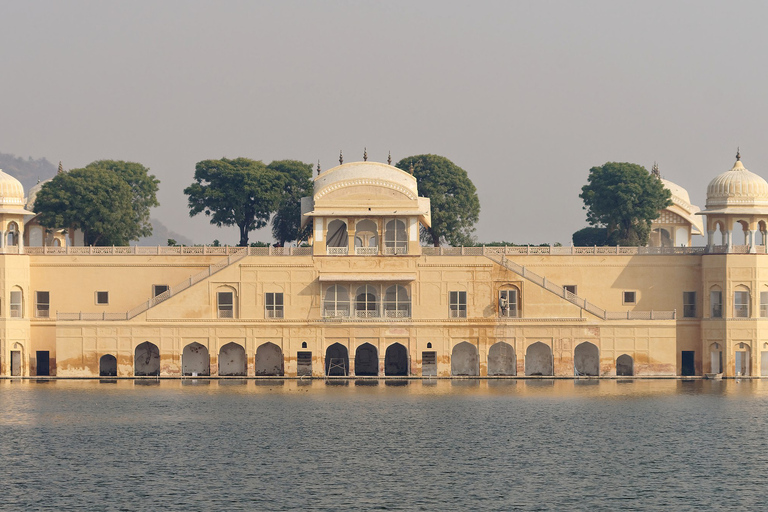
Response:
column 590, row 236
column 624, row 198
column 240, row 192
column 452, row 195
column 286, row 224
column 96, row 201
column 143, row 190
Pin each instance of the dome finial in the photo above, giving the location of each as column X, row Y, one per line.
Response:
column 738, row 153
column 389, row 158
column 61, row 168
column 655, row 170
column 411, row 168
column 318, row 167
column 341, row 158
column 365, row 154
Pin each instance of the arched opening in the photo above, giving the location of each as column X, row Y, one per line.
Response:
column 509, row 302
column 195, row 360
column 762, row 232
column 397, row 304
column 232, row 360
column 395, row 237
column 336, row 302
column 716, row 358
column 337, row 360
column 502, row 360
column 17, row 366
column 17, row 303
column 225, row 302
column 465, row 360
column 56, row 242
column 269, row 360
column 625, row 366
column 366, row 360
column 538, row 360
column 12, row 237
column 338, row 240
column 366, row 302
column 304, row 362
column 366, row 238
column 396, row 360
column 660, row 237
column 146, row 360
column 108, row 366
column 586, row 359
column 740, row 233
column 741, row 360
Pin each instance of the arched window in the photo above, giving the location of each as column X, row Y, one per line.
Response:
column 13, row 234
column 397, row 304
column 225, row 303
column 338, row 241
column 336, row 302
column 366, row 302
column 741, row 302
column 715, row 302
column 17, row 303
column 366, row 238
column 509, row 302
column 395, row 237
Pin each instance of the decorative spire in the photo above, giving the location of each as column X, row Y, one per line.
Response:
column 655, row 170
column 61, row 168
column 410, row 170
column 389, row 158
column 341, row 158
column 318, row 167
column 738, row 153
column 365, row 155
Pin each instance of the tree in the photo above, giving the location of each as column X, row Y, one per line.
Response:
column 96, row 201
column 143, row 190
column 590, row 236
column 241, row 192
column 624, row 198
column 286, row 224
column 452, row 195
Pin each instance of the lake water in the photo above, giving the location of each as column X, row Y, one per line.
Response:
column 445, row 445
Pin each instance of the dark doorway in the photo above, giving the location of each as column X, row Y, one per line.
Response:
column 43, row 363
column 337, row 361
column 108, row 366
column 269, row 360
column 15, row 363
column 396, row 360
column 464, row 360
column 429, row 363
column 232, row 360
column 304, row 364
column 146, row 360
column 586, row 359
column 625, row 366
column 688, row 367
column 366, row 361
column 501, row 359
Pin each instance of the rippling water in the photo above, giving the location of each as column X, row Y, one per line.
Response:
column 476, row 445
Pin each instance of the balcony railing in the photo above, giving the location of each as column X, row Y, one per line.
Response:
column 337, row 251
column 366, row 251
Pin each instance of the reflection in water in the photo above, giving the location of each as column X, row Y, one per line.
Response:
column 195, row 382
column 366, row 382
column 269, row 382
column 107, row 381
column 328, row 445
column 233, row 382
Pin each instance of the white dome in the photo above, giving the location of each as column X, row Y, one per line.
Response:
column 737, row 187
column 33, row 194
column 11, row 191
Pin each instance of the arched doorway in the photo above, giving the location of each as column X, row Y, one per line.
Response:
column 625, row 366
column 716, row 358
column 464, row 360
column 195, row 360
column 586, row 359
column 336, row 361
column 269, row 360
column 108, row 366
column 232, row 360
column 501, row 359
column 146, row 360
column 396, row 360
column 366, row 360
column 538, row 360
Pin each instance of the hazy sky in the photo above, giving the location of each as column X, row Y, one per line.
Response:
column 526, row 96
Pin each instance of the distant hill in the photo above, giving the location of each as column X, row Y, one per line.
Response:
column 28, row 171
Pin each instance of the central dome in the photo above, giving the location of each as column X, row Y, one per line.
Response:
column 737, row 187
column 11, row 191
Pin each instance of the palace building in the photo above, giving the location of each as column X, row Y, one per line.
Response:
column 366, row 299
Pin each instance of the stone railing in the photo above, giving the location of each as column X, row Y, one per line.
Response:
column 204, row 250
column 560, row 251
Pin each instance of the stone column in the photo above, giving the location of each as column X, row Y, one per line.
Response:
column 752, row 241
column 710, row 239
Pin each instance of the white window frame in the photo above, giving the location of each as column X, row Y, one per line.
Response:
column 392, row 242
column 367, row 308
column 457, row 304
column 397, row 302
column 224, row 309
column 274, row 304
column 763, row 304
column 741, row 304
column 716, row 304
column 689, row 305
column 334, row 304
column 17, row 304
column 509, row 303
column 42, row 304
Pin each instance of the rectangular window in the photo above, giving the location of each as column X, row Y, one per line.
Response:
column 629, row 297
column 159, row 289
column 716, row 304
column 764, row 304
column 102, row 298
column 570, row 288
column 741, row 304
column 226, row 304
column 274, row 305
column 458, row 304
column 689, row 304
column 508, row 304
column 16, row 304
column 42, row 304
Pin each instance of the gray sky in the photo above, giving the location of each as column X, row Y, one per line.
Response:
column 526, row 96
